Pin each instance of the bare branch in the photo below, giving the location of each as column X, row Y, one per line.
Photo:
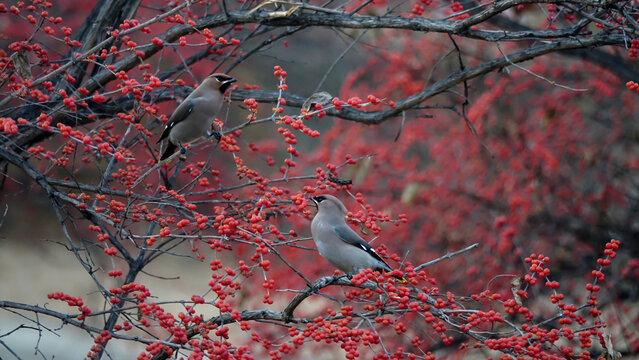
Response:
column 447, row 256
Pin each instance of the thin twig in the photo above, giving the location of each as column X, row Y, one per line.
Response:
column 447, row 256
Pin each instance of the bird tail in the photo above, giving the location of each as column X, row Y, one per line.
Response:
column 170, row 149
column 394, row 273
column 400, row 278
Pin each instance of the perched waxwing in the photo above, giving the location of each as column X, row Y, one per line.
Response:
column 193, row 118
column 338, row 243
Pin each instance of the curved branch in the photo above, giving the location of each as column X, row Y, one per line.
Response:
column 287, row 313
column 377, row 117
column 27, row 138
column 70, row 319
column 561, row 39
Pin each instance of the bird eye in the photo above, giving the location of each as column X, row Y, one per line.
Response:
column 320, row 198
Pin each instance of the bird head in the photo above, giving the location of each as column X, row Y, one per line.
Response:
column 218, row 81
column 326, row 203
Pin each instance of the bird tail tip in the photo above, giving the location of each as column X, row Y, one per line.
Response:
column 397, row 275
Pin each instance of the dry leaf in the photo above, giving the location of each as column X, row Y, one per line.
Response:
column 410, row 193
column 362, row 169
column 609, row 353
column 321, row 98
column 21, row 64
column 515, row 284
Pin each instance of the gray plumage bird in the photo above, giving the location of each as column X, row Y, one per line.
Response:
column 338, row 243
column 193, row 118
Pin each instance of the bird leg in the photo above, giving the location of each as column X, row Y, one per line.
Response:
column 216, row 134
column 349, row 275
column 182, row 153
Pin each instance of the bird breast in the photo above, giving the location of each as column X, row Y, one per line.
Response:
column 199, row 121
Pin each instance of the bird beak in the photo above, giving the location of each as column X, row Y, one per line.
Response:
column 224, row 85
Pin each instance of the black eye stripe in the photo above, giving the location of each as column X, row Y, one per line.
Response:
column 318, row 199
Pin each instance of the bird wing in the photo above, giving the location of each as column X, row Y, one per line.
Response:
column 181, row 112
column 350, row 237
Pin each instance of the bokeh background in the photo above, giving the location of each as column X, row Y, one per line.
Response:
column 552, row 169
